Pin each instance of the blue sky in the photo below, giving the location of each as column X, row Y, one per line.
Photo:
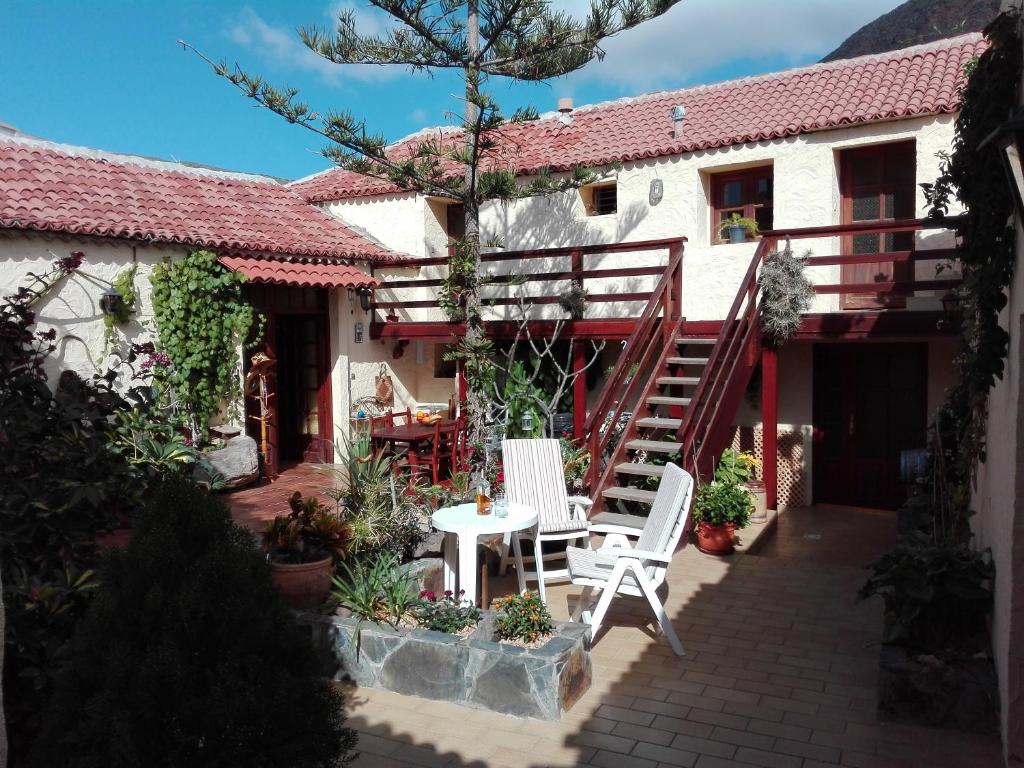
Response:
column 109, row 74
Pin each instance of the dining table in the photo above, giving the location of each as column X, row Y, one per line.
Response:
column 413, row 435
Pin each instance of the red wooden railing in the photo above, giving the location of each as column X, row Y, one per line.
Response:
column 577, row 272
column 707, row 422
column 662, row 316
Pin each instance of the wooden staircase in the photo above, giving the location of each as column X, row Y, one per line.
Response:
column 674, row 396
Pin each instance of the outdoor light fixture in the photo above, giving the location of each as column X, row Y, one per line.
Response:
column 527, row 422
column 111, row 301
column 951, row 304
column 359, row 333
column 365, row 298
column 657, row 191
column 1008, row 138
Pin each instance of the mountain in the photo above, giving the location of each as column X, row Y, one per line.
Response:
column 916, row 22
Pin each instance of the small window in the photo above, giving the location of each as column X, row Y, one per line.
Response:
column 443, row 369
column 600, row 200
column 747, row 193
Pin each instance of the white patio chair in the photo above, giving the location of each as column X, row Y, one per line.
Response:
column 535, row 476
column 639, row 571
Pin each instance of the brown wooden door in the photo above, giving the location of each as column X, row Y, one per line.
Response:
column 869, row 404
column 877, row 185
column 302, row 413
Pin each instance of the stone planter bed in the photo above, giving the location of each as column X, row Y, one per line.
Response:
column 475, row 671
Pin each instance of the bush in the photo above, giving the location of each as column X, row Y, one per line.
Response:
column 450, row 614
column 522, row 617
column 786, row 294
column 189, row 656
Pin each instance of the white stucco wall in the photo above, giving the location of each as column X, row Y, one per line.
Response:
column 998, row 501
column 72, row 307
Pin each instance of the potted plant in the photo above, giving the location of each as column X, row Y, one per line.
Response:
column 301, row 547
column 738, row 228
column 719, row 510
column 738, row 467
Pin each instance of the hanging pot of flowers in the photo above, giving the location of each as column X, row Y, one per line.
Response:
column 301, row 547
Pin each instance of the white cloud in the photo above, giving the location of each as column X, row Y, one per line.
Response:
column 697, row 36
column 283, row 47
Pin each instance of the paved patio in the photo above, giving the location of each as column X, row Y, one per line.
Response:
column 780, row 672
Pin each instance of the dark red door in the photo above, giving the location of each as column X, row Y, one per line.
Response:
column 870, row 403
column 301, row 374
column 877, row 185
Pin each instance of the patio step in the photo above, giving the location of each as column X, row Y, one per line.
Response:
column 686, row 360
column 658, row 422
column 626, row 493
column 653, row 446
column 666, row 400
column 678, row 381
column 695, row 341
column 640, row 470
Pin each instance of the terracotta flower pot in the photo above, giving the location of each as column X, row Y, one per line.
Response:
column 715, row 539
column 304, row 585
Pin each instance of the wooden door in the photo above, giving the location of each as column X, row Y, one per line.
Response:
column 869, row 405
column 301, row 378
column 877, row 185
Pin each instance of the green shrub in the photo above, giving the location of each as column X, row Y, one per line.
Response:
column 449, row 614
column 719, row 503
column 189, row 657
column 786, row 294
column 522, row 617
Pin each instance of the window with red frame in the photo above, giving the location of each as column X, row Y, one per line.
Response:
column 747, row 193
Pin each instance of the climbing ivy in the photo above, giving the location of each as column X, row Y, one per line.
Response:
column 201, row 320
column 973, row 175
column 123, row 283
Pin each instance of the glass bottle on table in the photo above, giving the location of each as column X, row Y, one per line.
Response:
column 482, row 493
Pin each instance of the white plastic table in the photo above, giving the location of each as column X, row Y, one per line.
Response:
column 461, row 526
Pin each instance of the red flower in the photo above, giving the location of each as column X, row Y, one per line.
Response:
column 426, row 593
column 448, row 593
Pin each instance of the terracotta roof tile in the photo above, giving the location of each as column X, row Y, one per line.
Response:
column 58, row 188
column 922, row 80
column 304, row 273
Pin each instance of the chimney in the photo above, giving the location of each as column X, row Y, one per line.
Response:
column 565, row 105
column 678, row 114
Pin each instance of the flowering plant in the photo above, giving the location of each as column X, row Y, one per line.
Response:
column 449, row 614
column 522, row 617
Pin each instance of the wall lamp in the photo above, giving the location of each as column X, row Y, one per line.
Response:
column 365, row 295
column 1008, row 138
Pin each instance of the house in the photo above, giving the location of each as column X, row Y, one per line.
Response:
column 122, row 210
column 825, row 146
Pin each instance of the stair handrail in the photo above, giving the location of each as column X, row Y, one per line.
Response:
column 663, row 307
column 704, row 402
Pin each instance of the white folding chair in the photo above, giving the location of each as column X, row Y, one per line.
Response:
column 535, row 476
column 637, row 571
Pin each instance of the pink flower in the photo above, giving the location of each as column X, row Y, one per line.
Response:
column 70, row 263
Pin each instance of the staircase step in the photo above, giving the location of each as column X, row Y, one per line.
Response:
column 686, row 360
column 653, row 446
column 678, row 381
column 658, row 422
column 709, row 342
column 666, row 400
column 642, row 470
column 629, row 494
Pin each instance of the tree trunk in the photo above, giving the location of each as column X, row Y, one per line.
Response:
column 3, row 722
column 477, row 398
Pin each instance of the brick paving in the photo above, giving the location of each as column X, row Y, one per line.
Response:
column 780, row 672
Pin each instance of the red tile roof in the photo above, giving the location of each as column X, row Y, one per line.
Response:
column 58, row 188
column 922, row 80
column 307, row 274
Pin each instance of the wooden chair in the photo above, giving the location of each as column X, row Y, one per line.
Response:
column 443, row 453
column 637, row 571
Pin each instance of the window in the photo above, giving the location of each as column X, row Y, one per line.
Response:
column 443, row 369
column 747, row 193
column 600, row 199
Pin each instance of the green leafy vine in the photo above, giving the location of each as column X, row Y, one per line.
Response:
column 973, row 175
column 201, row 321
column 123, row 283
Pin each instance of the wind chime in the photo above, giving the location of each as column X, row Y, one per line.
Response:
column 257, row 386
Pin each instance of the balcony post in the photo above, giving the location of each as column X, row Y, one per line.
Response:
column 770, row 424
column 579, row 389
